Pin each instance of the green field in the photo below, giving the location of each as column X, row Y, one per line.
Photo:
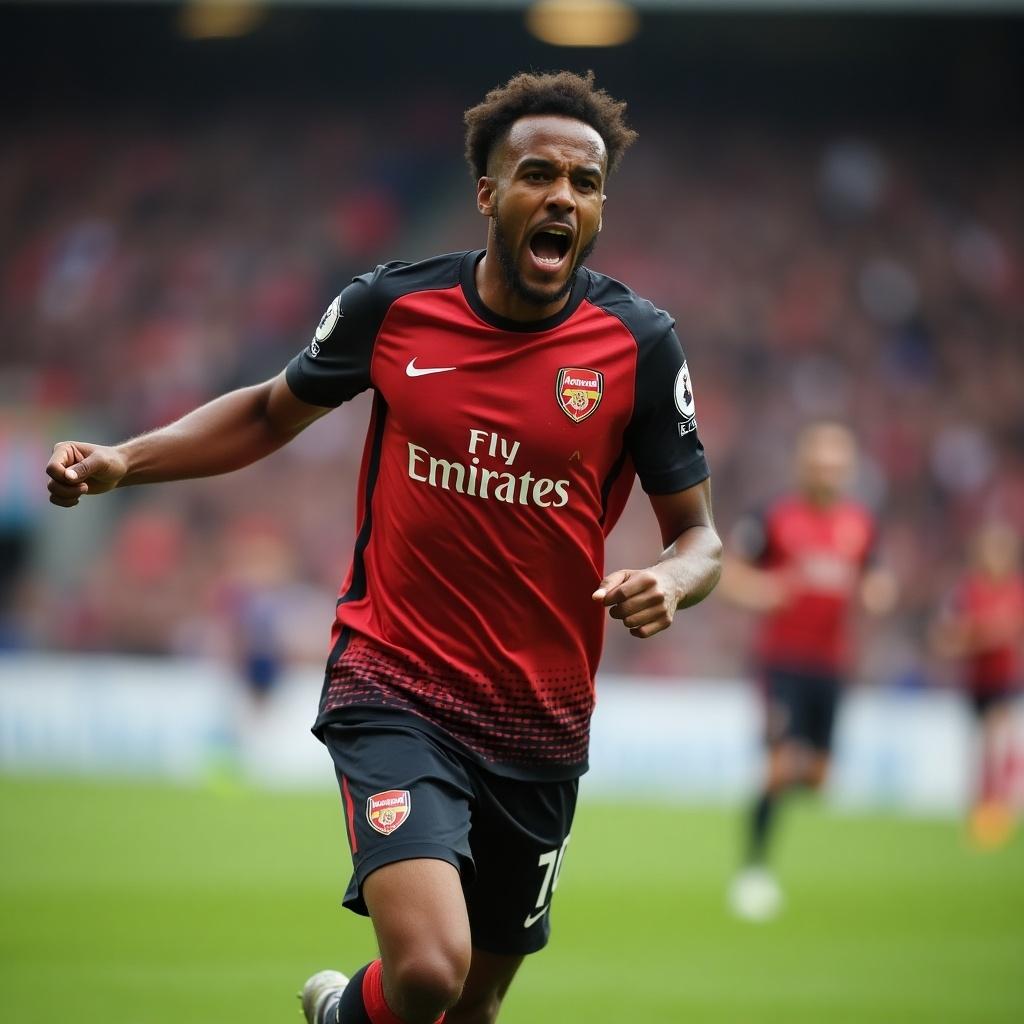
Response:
column 138, row 904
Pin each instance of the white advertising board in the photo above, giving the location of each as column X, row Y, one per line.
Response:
column 696, row 741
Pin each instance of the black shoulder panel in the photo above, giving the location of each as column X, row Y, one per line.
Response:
column 662, row 434
column 335, row 365
column 641, row 318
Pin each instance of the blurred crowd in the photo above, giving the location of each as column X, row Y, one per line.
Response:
column 147, row 267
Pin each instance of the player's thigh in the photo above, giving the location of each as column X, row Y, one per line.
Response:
column 781, row 707
column 405, row 798
column 490, row 976
column 802, row 710
column 790, row 729
column 824, row 693
column 419, row 916
column 519, row 839
column 785, row 727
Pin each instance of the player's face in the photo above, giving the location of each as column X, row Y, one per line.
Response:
column 544, row 197
column 997, row 549
column 826, row 459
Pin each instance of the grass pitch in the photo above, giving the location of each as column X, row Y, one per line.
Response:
column 140, row 904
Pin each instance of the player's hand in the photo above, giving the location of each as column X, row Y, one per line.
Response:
column 773, row 589
column 644, row 600
column 77, row 468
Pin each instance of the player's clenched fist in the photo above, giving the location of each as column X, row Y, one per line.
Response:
column 77, row 468
column 643, row 599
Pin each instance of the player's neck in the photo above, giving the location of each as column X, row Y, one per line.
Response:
column 820, row 499
column 502, row 299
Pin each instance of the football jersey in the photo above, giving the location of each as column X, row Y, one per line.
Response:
column 821, row 551
column 499, row 454
column 994, row 612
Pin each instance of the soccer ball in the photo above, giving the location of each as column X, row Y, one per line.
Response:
column 755, row 895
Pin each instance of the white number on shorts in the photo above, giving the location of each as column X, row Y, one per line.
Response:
column 551, row 862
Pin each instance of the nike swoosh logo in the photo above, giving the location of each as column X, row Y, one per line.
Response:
column 412, row 370
column 532, row 919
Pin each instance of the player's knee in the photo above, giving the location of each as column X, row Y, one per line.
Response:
column 784, row 776
column 818, row 775
column 427, row 983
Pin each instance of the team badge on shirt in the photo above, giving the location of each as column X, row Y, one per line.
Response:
column 387, row 811
column 578, row 391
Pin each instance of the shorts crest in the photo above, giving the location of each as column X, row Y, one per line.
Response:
column 388, row 811
column 578, row 391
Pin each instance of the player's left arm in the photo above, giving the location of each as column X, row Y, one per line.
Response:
column 879, row 589
column 646, row 600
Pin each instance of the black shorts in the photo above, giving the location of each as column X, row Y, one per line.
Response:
column 801, row 707
column 407, row 795
column 984, row 701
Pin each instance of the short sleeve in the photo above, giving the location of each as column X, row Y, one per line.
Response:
column 662, row 435
column 749, row 537
column 335, row 365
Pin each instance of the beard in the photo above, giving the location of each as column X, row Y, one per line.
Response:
column 510, row 269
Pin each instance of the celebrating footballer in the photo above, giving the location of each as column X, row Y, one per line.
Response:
column 516, row 394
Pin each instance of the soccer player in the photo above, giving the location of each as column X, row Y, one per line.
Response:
column 983, row 627
column 516, row 394
column 803, row 565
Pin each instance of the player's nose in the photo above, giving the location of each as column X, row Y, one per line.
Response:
column 560, row 195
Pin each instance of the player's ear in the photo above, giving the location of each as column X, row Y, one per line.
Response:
column 486, row 188
column 600, row 220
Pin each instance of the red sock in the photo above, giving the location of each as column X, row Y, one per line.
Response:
column 1005, row 770
column 1013, row 780
column 989, row 778
column 377, row 1008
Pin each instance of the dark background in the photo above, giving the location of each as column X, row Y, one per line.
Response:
column 952, row 71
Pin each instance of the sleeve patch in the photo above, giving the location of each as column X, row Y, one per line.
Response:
column 327, row 324
column 683, row 394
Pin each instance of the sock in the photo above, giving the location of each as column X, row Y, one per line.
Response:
column 1012, row 774
column 349, row 1008
column 760, row 826
column 363, row 1002
column 990, row 775
column 1004, row 767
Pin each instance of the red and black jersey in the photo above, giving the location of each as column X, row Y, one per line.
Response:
column 499, row 455
column 821, row 552
column 993, row 612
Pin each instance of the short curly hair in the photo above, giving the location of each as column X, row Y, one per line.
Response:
column 561, row 92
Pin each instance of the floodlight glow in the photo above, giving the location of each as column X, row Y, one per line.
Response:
column 583, row 22
column 219, row 19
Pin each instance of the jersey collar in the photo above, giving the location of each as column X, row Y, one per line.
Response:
column 502, row 323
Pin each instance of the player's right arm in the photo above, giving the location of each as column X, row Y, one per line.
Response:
column 244, row 425
column 225, row 434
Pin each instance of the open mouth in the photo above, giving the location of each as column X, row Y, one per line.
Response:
column 550, row 245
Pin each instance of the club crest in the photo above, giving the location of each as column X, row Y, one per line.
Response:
column 578, row 391
column 387, row 811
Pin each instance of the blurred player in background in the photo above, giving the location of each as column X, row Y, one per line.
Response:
column 802, row 565
column 983, row 626
column 516, row 395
